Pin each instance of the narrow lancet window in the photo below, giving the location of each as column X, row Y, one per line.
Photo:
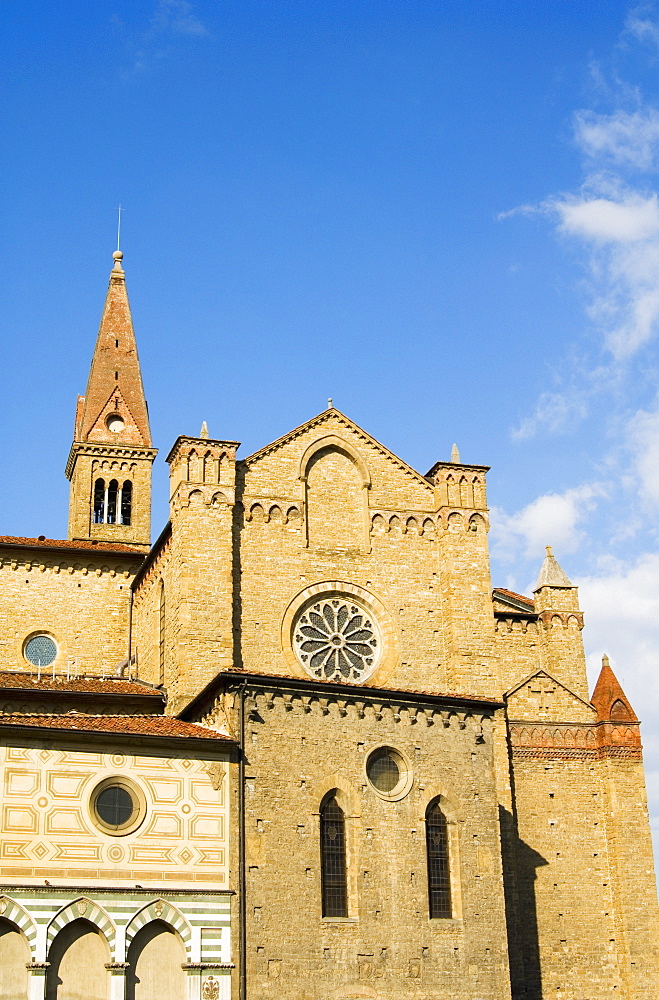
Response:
column 113, row 490
column 439, row 875
column 333, row 859
column 126, row 502
column 99, row 501
column 161, row 650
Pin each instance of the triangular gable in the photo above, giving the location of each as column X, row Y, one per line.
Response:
column 541, row 696
column 131, row 433
column 333, row 418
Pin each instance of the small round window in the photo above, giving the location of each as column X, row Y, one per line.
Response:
column 388, row 773
column 115, row 423
column 40, row 650
column 117, row 806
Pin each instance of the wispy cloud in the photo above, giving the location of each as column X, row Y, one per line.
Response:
column 626, row 138
column 612, row 220
column 177, row 17
column 552, row 519
column 170, row 22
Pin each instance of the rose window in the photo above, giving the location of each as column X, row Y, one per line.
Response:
column 335, row 639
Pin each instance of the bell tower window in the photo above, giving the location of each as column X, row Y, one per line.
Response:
column 126, row 505
column 113, row 491
column 99, row 501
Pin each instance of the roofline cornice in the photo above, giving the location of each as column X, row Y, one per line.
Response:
column 237, row 679
column 102, row 448
column 106, row 736
column 65, row 547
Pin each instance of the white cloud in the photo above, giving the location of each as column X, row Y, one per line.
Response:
column 177, row 17
column 627, row 138
column 604, row 220
column 554, row 412
column 643, row 28
column 643, row 441
column 552, row 519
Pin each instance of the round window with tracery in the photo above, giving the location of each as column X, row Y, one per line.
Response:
column 336, row 639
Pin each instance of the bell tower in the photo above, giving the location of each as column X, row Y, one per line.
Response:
column 111, row 456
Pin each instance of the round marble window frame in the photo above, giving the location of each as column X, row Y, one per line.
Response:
column 406, row 779
column 139, row 805
column 328, row 589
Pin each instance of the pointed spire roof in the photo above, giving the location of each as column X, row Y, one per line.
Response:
column 113, row 409
column 551, row 574
column 455, row 454
column 609, row 700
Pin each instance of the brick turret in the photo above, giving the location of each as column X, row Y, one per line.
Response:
column 111, row 456
column 557, row 607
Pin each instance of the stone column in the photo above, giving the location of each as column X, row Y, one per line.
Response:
column 117, row 972
column 37, row 981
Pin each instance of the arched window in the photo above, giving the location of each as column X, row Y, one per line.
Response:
column 161, row 636
column 126, row 502
column 99, row 501
column 333, row 859
column 113, row 490
column 439, row 876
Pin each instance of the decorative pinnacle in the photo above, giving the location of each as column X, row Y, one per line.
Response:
column 118, row 257
column 330, row 404
column 455, row 454
column 203, row 433
column 605, row 660
column 551, row 574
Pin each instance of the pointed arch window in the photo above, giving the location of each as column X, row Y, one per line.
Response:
column 161, row 641
column 111, row 510
column 126, row 504
column 99, row 501
column 439, row 874
column 334, row 883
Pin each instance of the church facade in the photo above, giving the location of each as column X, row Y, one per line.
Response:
column 298, row 746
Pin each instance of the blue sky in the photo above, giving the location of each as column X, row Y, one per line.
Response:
column 442, row 214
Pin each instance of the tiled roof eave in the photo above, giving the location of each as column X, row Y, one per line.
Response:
column 350, row 690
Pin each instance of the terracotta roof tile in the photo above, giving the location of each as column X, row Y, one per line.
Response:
column 356, row 689
column 516, row 597
column 94, row 685
column 61, row 543
column 130, row 725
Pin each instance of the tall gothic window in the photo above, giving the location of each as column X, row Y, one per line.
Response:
column 439, row 876
column 111, row 510
column 334, row 882
column 126, row 502
column 161, row 649
column 99, row 501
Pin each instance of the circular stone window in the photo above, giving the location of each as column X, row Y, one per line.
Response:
column 335, row 639
column 117, row 806
column 115, row 423
column 40, row 650
column 388, row 773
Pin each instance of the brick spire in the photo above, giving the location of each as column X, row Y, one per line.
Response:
column 113, row 409
column 609, row 699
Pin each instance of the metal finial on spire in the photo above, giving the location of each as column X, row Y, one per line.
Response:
column 455, row 454
column 119, row 227
column 203, row 433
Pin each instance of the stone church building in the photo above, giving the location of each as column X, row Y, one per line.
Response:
column 298, row 747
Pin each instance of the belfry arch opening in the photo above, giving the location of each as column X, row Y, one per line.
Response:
column 113, row 501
